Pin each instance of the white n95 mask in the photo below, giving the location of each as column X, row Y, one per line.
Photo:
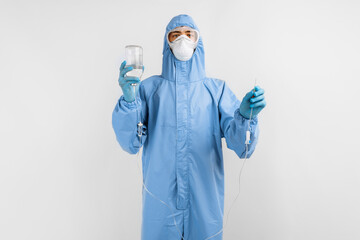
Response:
column 183, row 47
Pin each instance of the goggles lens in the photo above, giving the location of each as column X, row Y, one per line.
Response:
column 187, row 31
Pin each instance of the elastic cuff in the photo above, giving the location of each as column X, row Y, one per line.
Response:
column 126, row 104
column 238, row 116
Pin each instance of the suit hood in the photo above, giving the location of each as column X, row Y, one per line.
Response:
column 195, row 66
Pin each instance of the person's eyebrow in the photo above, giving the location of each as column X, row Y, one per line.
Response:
column 181, row 31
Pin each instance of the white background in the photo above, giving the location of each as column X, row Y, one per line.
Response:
column 64, row 176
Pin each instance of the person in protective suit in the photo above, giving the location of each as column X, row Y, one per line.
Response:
column 185, row 114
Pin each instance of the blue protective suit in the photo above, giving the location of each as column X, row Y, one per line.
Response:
column 185, row 115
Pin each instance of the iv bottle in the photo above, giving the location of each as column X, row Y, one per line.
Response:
column 134, row 58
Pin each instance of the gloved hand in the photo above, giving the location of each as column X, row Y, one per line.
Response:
column 254, row 100
column 125, row 83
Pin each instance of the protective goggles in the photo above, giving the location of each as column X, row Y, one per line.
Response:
column 184, row 30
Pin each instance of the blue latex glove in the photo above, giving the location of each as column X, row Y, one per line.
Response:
column 125, row 83
column 255, row 100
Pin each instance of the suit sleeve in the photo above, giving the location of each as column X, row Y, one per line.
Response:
column 125, row 120
column 234, row 125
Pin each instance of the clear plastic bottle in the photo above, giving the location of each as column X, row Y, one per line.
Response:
column 134, row 58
